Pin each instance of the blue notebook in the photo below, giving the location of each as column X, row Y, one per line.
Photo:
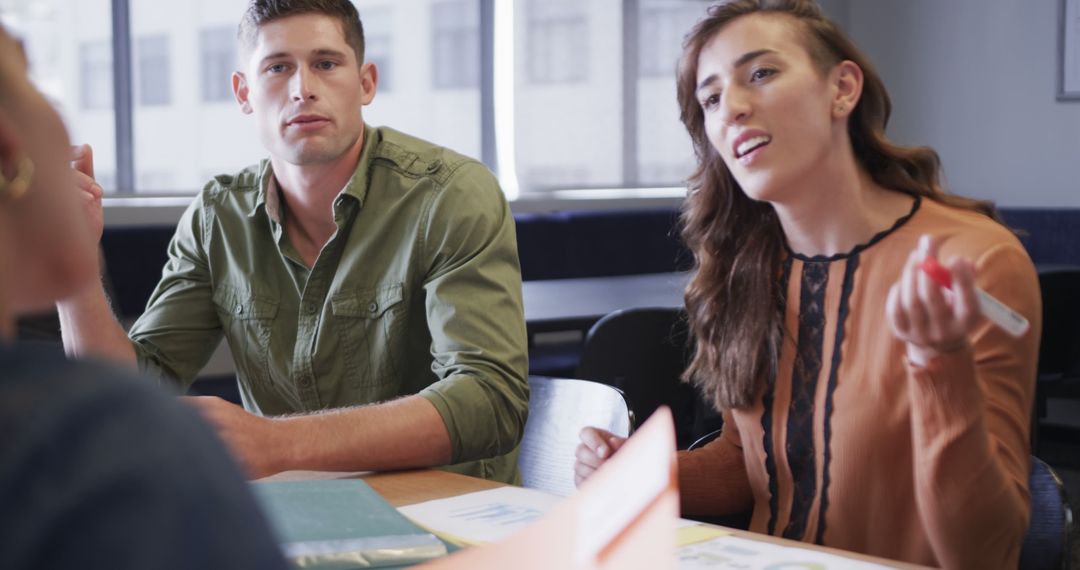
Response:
column 343, row 524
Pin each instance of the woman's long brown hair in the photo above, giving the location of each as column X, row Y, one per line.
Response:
column 734, row 300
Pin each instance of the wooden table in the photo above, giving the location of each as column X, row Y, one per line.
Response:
column 402, row 488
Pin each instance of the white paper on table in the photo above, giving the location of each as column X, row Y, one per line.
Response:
column 484, row 516
column 731, row 552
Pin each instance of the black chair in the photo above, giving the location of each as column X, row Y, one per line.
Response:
column 643, row 352
column 1059, row 351
column 558, row 410
column 1047, row 542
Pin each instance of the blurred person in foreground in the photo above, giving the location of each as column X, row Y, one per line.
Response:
column 97, row 469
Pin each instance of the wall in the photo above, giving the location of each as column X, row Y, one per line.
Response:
column 976, row 79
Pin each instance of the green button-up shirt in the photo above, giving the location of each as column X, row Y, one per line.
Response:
column 418, row 291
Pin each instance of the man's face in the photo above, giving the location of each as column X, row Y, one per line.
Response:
column 305, row 88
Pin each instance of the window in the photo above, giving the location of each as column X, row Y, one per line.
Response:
column 558, row 41
column 661, row 27
column 64, row 39
column 663, row 24
column 568, row 115
column 95, row 73
column 218, row 61
column 456, row 44
column 202, row 129
column 408, row 97
column 378, row 42
column 585, row 115
column 153, row 70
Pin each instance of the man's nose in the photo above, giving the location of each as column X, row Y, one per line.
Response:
column 302, row 86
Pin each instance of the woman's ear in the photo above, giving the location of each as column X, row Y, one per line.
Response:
column 847, row 83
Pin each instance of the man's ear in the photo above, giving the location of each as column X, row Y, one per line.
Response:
column 240, row 91
column 847, row 82
column 369, row 82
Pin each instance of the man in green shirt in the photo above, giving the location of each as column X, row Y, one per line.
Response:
column 367, row 282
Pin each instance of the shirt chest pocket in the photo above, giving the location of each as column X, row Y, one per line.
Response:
column 370, row 327
column 247, row 320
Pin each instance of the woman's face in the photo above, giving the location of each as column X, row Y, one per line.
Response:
column 768, row 111
column 50, row 249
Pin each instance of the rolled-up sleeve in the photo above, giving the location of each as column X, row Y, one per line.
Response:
column 475, row 315
column 178, row 332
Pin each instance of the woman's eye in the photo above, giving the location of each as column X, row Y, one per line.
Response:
column 711, row 101
column 761, row 73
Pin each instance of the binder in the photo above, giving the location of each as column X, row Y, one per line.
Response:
column 341, row 524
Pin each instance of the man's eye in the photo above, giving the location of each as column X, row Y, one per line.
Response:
column 276, row 68
column 326, row 65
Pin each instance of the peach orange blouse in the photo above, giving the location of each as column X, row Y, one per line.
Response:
column 852, row 447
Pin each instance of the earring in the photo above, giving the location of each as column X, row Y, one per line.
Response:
column 840, row 108
column 17, row 186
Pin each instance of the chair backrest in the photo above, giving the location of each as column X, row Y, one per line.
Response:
column 644, row 352
column 558, row 409
column 1046, row 545
column 1059, row 350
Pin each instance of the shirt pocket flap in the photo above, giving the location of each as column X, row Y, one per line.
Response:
column 243, row 305
column 366, row 304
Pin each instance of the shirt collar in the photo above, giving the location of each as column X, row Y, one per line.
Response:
column 357, row 187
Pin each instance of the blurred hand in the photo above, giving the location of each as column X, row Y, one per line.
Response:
column 90, row 192
column 596, row 447
column 251, row 439
column 932, row 320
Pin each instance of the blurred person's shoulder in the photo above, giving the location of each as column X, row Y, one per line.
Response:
column 102, row 468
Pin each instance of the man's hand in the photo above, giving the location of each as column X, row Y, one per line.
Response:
column 82, row 160
column 253, row 440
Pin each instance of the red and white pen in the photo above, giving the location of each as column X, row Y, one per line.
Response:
column 999, row 313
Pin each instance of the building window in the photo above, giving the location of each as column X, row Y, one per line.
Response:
column 96, row 75
column 218, row 59
column 663, row 24
column 153, row 70
column 378, row 40
column 558, row 41
column 456, row 44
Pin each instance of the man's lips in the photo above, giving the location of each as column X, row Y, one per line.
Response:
column 307, row 121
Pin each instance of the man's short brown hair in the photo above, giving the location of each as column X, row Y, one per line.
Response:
column 260, row 12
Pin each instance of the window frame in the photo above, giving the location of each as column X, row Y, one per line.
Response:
column 123, row 206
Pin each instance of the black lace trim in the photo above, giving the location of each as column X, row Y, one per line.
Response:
column 862, row 246
column 804, row 380
column 766, row 416
column 837, row 356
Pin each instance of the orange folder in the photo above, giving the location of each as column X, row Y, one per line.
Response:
column 624, row 516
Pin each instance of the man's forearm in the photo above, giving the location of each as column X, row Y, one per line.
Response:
column 404, row 433
column 89, row 328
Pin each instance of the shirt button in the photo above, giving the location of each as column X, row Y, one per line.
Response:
column 305, row 382
column 434, row 167
column 373, row 307
column 238, row 309
column 311, row 308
